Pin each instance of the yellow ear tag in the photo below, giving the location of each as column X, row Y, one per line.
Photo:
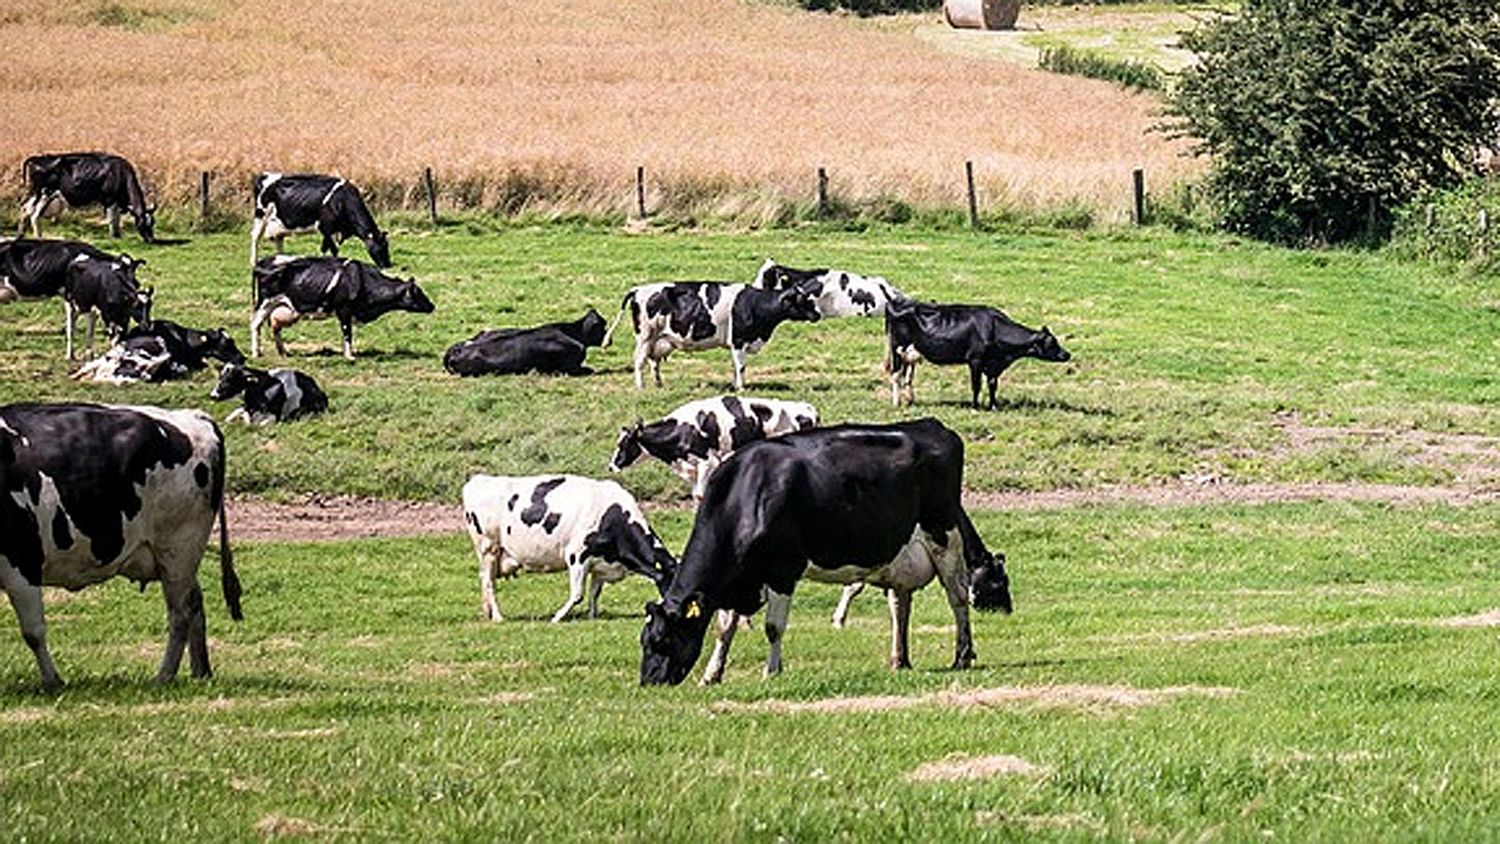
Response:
column 693, row 610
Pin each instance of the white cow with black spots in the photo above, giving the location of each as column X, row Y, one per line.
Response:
column 593, row 529
column 839, row 293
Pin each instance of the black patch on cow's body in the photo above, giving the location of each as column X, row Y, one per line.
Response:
column 511, row 504
column 748, row 426
column 201, row 474
column 670, row 440
column 618, row 539
column 711, row 294
column 864, row 299
column 756, row 313
column 536, row 513
column 61, row 536
column 549, row 524
column 683, row 305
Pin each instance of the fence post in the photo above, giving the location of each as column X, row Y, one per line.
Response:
column 1427, row 219
column 203, row 194
column 1138, row 181
column 431, row 194
column 973, row 200
column 822, row 192
column 1484, row 230
column 640, row 192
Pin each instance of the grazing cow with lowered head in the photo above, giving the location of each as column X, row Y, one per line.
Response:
column 289, row 289
column 557, row 348
column 850, row 503
column 696, row 437
column 91, row 492
column 594, row 529
column 86, row 178
column 694, row 315
column 159, row 350
column 839, row 293
column 982, row 337
column 91, row 282
column 276, row 395
column 287, row 204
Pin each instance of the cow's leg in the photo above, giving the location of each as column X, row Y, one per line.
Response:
column 596, row 585
column 262, row 314
column 70, row 315
column 257, row 231
column 330, row 246
column 994, row 405
column 185, row 626
column 727, row 621
column 280, row 240
column 640, row 362
column 26, row 599
column 347, row 327
column 974, row 374
column 778, row 610
column 954, row 576
column 900, row 604
column 93, row 318
column 738, row 356
column 112, row 216
column 578, row 571
column 489, row 561
column 38, row 207
column 841, row 612
column 896, row 373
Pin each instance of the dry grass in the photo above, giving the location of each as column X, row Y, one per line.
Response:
column 526, row 106
column 955, row 768
column 1097, row 699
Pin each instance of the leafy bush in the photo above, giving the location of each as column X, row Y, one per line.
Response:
column 1323, row 116
column 1093, row 65
column 1445, row 224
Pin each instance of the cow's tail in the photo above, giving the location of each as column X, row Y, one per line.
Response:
column 229, row 580
column 609, row 336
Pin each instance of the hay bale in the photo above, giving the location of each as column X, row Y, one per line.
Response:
column 982, row 14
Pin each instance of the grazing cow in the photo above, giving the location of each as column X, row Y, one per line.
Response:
column 159, row 350
column 694, row 315
column 289, row 289
column 86, row 178
column 594, row 529
column 696, row 437
column 89, row 492
column 90, row 281
column 287, row 204
column 982, row 337
column 871, row 503
column 839, row 293
column 555, row 348
column 277, row 395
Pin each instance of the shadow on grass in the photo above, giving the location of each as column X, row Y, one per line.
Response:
column 132, row 687
column 1021, row 404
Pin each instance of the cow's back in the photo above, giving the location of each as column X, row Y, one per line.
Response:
column 537, row 518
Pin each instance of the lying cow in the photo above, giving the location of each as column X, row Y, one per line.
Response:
column 91, row 492
column 982, row 337
column 556, row 349
column 594, row 529
column 694, row 315
column 289, row 289
column 696, row 437
column 288, row 204
column 91, row 282
column 160, row 350
column 85, row 178
column 839, row 293
column 782, row 508
column 276, row 395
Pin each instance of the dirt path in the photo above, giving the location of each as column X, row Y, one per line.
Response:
column 347, row 517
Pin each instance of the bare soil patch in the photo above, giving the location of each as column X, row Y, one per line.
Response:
column 1484, row 619
column 338, row 517
column 1101, row 699
column 956, row 768
column 1214, row 635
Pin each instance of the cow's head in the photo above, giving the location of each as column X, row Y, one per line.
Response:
column 989, row 585
column 797, row 303
column 594, row 328
column 627, row 447
column 379, row 249
column 1046, row 347
column 145, row 223
column 414, row 300
column 672, row 640
column 232, row 381
column 219, row 345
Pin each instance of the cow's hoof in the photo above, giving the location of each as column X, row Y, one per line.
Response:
column 900, row 664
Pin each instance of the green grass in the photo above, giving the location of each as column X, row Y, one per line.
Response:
column 1186, row 347
column 364, row 698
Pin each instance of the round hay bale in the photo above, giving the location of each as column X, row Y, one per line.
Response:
column 982, row 14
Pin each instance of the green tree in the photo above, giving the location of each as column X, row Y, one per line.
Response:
column 1323, row 116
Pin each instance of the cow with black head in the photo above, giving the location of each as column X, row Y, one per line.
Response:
column 86, row 178
column 91, row 282
column 558, row 348
column 290, row 289
column 982, row 337
column 305, row 202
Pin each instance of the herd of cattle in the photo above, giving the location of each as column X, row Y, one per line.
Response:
column 88, row 492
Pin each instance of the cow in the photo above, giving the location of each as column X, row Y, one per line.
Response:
column 694, row 315
column 594, row 529
column 288, row 204
column 289, row 289
column 160, row 350
column 90, row 492
column 91, row 282
column 696, row 437
column 555, row 348
column 276, row 395
column 85, row 178
column 839, row 293
column 844, row 504
column 982, row 337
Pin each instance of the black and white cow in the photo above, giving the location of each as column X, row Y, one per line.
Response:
column 160, row 350
column 275, row 395
column 839, row 293
column 555, row 348
column 288, row 204
column 982, row 337
column 696, row 437
column 694, row 315
column 850, row 503
column 91, row 282
column 593, row 529
column 85, row 178
column 289, row 289
column 91, row 492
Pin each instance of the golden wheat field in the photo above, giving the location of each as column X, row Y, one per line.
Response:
column 524, row 105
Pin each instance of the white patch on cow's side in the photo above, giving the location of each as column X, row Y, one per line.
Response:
column 8, row 291
column 80, row 258
column 328, row 197
column 291, row 388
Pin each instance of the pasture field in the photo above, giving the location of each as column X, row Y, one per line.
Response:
column 1287, row 672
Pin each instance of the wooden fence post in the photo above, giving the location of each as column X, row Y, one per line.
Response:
column 640, row 192
column 431, row 194
column 822, row 192
column 1138, row 180
column 973, row 200
column 1484, row 230
column 203, row 194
